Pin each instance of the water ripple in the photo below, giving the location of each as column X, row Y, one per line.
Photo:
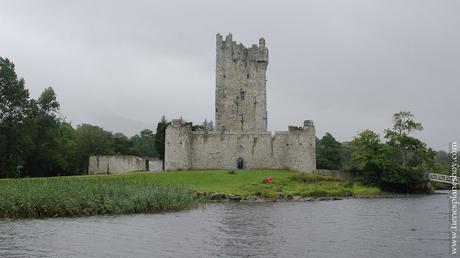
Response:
column 406, row 227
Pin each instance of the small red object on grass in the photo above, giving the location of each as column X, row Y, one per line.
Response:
column 268, row 180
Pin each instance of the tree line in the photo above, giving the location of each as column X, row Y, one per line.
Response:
column 32, row 134
column 399, row 163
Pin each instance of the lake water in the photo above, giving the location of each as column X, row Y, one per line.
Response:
column 400, row 227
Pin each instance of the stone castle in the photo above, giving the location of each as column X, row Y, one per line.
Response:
column 241, row 139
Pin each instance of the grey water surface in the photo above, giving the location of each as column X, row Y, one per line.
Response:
column 394, row 227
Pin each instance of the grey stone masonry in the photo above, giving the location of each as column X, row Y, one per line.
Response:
column 186, row 149
column 241, row 139
column 241, row 102
column 115, row 164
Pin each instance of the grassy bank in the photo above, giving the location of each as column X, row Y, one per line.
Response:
column 155, row 192
column 82, row 196
column 250, row 183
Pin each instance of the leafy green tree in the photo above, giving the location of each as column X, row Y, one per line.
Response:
column 443, row 157
column 67, row 142
column 160, row 137
column 53, row 144
column 400, row 138
column 92, row 140
column 328, row 153
column 121, row 144
column 399, row 164
column 370, row 159
column 14, row 105
column 442, row 162
column 347, row 149
column 411, row 157
column 143, row 144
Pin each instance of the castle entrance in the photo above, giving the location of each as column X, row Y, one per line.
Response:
column 240, row 163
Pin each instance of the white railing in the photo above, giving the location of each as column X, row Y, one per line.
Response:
column 441, row 178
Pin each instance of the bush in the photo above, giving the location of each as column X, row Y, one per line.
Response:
column 311, row 178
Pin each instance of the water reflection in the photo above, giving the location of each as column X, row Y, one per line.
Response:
column 250, row 233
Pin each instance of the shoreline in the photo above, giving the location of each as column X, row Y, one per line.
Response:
column 223, row 198
column 133, row 193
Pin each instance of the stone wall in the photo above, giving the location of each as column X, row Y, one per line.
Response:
column 293, row 149
column 155, row 165
column 241, row 104
column 115, row 164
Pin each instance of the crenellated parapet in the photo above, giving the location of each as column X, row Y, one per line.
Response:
column 238, row 52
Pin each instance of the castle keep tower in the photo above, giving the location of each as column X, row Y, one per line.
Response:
column 241, row 139
column 241, row 100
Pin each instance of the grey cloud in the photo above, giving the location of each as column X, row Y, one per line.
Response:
column 348, row 65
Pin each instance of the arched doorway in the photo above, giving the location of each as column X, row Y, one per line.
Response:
column 239, row 163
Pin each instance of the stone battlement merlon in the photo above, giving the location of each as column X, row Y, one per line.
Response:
column 307, row 125
column 255, row 53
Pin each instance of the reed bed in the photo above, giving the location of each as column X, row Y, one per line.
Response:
column 84, row 196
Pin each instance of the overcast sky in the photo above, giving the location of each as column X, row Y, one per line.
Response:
column 346, row 65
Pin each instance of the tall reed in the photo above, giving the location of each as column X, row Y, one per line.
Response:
column 83, row 196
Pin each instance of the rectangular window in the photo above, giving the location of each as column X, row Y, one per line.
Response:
column 242, row 93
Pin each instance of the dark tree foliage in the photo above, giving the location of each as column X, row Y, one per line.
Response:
column 53, row 144
column 160, row 137
column 347, row 149
column 121, row 144
column 14, row 105
column 198, row 128
column 92, row 140
column 31, row 133
column 370, row 159
column 143, row 144
column 328, row 153
column 443, row 157
column 401, row 163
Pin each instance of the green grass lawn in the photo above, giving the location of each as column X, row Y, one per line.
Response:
column 137, row 192
column 250, row 182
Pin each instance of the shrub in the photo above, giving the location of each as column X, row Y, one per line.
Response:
column 312, row 178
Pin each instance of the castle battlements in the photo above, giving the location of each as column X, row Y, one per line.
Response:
column 238, row 52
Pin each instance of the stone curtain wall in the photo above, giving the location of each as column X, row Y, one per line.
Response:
column 294, row 149
column 221, row 150
column 115, row 164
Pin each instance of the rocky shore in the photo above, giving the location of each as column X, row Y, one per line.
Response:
column 222, row 197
